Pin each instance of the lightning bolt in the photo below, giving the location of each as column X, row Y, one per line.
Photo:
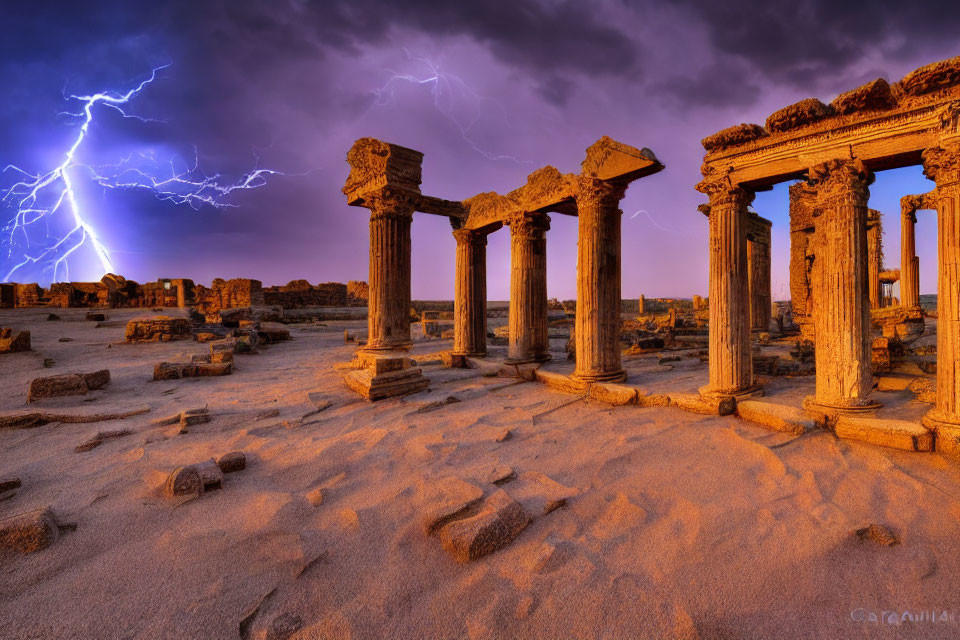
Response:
column 446, row 89
column 37, row 198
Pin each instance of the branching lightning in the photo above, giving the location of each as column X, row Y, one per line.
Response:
column 38, row 198
column 446, row 90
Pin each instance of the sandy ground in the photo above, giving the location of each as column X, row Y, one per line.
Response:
column 683, row 526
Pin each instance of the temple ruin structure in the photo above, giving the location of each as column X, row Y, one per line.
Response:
column 832, row 151
column 385, row 178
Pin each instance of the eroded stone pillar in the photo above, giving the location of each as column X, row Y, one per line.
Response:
column 942, row 165
column 758, row 265
column 909, row 262
column 731, row 366
column 598, row 282
column 874, row 258
column 802, row 200
column 528, row 288
column 388, row 307
column 840, row 289
column 470, row 294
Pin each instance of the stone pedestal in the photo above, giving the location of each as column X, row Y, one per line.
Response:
column 731, row 367
column 942, row 165
column 470, row 295
column 388, row 307
column 758, row 265
column 528, row 288
column 598, row 283
column 377, row 376
column 840, row 289
column 909, row 262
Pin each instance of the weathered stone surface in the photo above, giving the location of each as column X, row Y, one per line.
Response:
column 183, row 481
column 500, row 474
column 931, row 77
column 14, row 341
column 559, row 382
column 175, row 370
column 652, row 399
column 924, row 389
column 211, row 477
column 797, row 115
column 778, row 416
column 538, row 494
column 70, row 384
column 898, row 434
column 498, row 522
column 615, row 394
column 877, row 533
column 443, row 499
column 99, row 439
column 695, row 403
column 873, row 96
column 29, row 532
column 233, row 461
column 157, row 329
column 273, row 332
column 733, row 136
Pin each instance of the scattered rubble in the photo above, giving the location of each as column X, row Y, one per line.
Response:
column 14, row 341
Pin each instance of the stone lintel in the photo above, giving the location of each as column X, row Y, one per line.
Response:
column 376, row 165
column 610, row 160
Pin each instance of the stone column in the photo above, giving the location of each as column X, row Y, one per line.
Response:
column 909, row 263
column 598, row 282
column 528, row 288
column 731, row 366
column 758, row 261
column 942, row 165
column 388, row 308
column 874, row 257
column 470, row 295
column 842, row 319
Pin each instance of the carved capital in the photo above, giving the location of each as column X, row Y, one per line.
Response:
column 528, row 226
column 909, row 205
column 592, row 192
column 942, row 165
column 839, row 182
column 470, row 237
column 722, row 191
column 390, row 203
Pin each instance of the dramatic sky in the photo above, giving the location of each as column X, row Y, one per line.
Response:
column 489, row 91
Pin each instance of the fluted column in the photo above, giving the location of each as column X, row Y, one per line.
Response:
column 731, row 366
column 909, row 263
column 388, row 307
column 528, row 288
column 942, row 165
column 758, row 261
column 874, row 257
column 840, row 289
column 470, row 294
column 598, row 282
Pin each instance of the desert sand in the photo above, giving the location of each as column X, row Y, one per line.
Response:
column 678, row 525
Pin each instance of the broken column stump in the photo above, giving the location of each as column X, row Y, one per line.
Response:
column 70, row 384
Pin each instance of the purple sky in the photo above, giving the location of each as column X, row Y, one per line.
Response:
column 488, row 91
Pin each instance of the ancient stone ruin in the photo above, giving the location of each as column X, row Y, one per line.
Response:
column 385, row 178
column 837, row 275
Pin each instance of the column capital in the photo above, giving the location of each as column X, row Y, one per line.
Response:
column 470, row 237
column 527, row 224
column 593, row 191
column 942, row 165
column 840, row 182
column 391, row 203
column 721, row 190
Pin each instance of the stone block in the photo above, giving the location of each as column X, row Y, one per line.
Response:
column 70, row 384
column 779, row 417
column 272, row 332
column 898, row 434
column 615, row 394
column 498, row 522
column 14, row 341
column 176, row 370
column 443, row 499
column 695, row 403
column 538, row 494
column 233, row 461
column 157, row 329
column 211, row 477
column 559, row 382
column 29, row 532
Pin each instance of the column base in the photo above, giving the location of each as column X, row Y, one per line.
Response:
column 543, row 357
column 947, row 430
column 753, row 391
column 589, row 378
column 811, row 403
column 378, row 376
column 469, row 354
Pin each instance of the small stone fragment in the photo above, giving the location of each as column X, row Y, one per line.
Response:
column 498, row 522
column 183, row 481
column 29, row 532
column 210, row 474
column 316, row 496
column 877, row 533
column 7, row 484
column 505, row 435
column 233, row 461
column 538, row 494
column 501, row 474
column 95, row 317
